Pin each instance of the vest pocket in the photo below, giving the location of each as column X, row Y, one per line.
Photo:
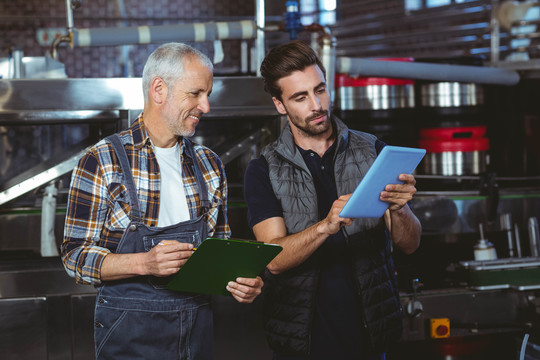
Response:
column 188, row 237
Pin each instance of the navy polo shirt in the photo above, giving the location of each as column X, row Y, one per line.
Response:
column 336, row 331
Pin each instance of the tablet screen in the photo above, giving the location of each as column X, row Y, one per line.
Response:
column 391, row 162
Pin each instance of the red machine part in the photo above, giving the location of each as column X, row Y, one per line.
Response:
column 453, row 139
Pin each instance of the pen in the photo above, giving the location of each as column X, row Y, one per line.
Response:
column 164, row 243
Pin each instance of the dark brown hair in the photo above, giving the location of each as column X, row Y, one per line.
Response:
column 285, row 59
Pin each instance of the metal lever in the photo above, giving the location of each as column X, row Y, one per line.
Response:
column 518, row 240
column 533, row 235
column 506, row 225
column 414, row 307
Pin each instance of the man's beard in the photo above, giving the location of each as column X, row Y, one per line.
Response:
column 179, row 129
column 184, row 131
column 312, row 130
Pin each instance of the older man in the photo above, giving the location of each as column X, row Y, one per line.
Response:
column 139, row 202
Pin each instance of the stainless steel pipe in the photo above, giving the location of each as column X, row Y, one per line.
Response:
column 259, row 43
column 328, row 59
column 427, row 71
column 69, row 15
column 197, row 32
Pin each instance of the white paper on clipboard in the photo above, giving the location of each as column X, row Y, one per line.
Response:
column 391, row 162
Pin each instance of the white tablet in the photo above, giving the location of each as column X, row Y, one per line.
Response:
column 391, row 162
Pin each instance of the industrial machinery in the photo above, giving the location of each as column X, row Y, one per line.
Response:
column 478, row 187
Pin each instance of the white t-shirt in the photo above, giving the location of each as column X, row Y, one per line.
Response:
column 173, row 206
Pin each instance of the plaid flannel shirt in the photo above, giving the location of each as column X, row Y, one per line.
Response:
column 98, row 208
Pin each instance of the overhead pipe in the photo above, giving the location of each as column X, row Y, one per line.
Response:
column 195, row 32
column 426, row 71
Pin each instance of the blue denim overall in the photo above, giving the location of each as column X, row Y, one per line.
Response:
column 138, row 318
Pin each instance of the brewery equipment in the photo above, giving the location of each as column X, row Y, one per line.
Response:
column 455, row 150
column 483, row 249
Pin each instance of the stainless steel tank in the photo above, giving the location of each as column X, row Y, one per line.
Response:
column 374, row 93
column 455, row 150
column 451, row 94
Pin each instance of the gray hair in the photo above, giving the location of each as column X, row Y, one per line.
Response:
column 167, row 62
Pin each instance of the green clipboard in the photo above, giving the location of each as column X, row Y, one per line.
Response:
column 218, row 261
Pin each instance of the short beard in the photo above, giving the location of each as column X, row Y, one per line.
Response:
column 316, row 130
column 185, row 132
column 179, row 129
column 176, row 128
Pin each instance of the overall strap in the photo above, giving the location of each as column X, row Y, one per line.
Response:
column 135, row 213
column 203, row 192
